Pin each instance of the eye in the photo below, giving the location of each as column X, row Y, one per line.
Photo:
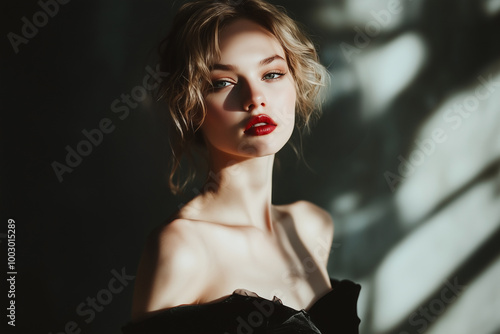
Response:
column 220, row 84
column 273, row 76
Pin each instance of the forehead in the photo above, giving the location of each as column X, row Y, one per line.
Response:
column 244, row 38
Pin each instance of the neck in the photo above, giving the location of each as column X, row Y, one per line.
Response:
column 239, row 192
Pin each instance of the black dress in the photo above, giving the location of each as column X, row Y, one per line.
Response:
column 333, row 313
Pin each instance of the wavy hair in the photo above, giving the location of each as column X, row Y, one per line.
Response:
column 192, row 47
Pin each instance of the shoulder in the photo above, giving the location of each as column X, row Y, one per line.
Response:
column 314, row 225
column 172, row 269
column 311, row 218
column 178, row 237
column 178, row 247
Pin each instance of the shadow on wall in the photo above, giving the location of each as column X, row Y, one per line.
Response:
column 412, row 174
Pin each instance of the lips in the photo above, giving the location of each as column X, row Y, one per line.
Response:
column 260, row 125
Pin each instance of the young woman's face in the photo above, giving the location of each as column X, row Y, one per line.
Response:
column 251, row 109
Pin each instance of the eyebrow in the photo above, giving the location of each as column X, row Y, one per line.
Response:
column 263, row 62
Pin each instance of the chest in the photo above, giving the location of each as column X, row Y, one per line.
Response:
column 268, row 267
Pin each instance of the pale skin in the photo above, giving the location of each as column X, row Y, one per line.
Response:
column 231, row 238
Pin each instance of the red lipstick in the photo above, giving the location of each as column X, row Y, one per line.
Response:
column 260, row 125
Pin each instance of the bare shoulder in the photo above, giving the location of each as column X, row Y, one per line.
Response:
column 314, row 225
column 311, row 218
column 172, row 269
column 178, row 245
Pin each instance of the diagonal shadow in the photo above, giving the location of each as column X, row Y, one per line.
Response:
column 465, row 274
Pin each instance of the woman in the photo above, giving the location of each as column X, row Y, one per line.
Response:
column 230, row 261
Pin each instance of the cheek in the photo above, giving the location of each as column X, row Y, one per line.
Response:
column 215, row 111
column 217, row 118
column 293, row 98
column 289, row 94
column 287, row 104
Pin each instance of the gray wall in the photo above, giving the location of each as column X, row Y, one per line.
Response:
column 406, row 158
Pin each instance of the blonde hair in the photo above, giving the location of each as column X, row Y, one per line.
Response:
column 192, row 47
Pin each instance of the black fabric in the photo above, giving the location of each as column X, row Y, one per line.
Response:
column 334, row 313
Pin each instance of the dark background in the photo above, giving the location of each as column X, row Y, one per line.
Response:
column 405, row 240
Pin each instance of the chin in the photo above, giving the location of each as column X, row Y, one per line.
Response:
column 260, row 147
column 251, row 146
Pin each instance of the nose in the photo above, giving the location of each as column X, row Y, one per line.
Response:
column 253, row 96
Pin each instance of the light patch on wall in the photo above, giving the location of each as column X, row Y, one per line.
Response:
column 362, row 218
column 389, row 15
column 364, row 302
column 453, row 146
column 329, row 16
column 359, row 12
column 423, row 261
column 387, row 70
column 345, row 203
column 492, row 7
column 481, row 299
